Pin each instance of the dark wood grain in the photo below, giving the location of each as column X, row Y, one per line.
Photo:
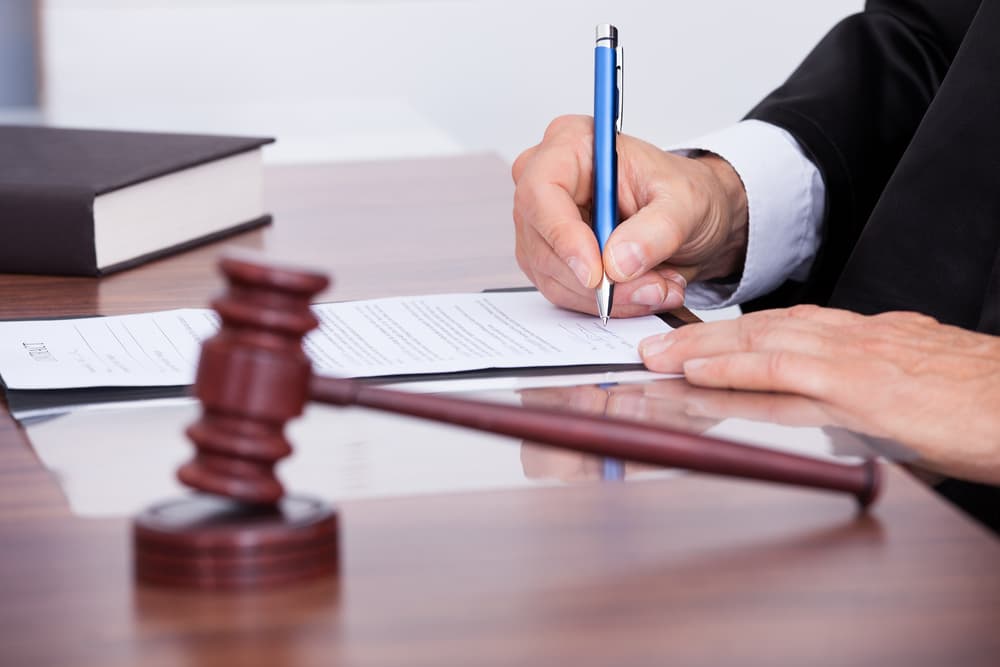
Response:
column 205, row 542
column 692, row 571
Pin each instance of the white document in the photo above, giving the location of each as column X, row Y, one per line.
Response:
column 395, row 336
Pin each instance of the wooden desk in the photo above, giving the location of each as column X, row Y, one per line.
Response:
column 692, row 571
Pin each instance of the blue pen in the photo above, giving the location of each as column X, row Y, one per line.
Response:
column 607, row 124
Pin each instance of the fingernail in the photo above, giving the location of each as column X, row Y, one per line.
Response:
column 648, row 295
column 627, row 258
column 694, row 364
column 675, row 277
column 675, row 299
column 655, row 345
column 580, row 269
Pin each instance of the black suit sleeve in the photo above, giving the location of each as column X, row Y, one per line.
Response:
column 854, row 104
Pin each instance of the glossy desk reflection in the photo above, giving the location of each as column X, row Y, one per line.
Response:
column 132, row 452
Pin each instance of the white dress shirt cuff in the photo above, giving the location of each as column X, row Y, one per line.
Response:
column 785, row 202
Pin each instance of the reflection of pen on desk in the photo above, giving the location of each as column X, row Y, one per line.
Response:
column 607, row 123
column 612, row 469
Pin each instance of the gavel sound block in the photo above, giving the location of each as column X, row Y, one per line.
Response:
column 243, row 531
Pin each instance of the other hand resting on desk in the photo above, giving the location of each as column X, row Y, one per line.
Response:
column 932, row 387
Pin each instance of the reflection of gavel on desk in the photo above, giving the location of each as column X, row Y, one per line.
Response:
column 254, row 376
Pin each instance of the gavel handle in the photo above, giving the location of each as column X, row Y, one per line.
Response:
column 612, row 437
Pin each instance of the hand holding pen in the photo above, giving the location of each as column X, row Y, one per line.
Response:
column 682, row 219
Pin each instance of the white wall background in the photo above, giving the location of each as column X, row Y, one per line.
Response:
column 386, row 78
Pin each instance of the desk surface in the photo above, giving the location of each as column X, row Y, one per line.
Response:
column 692, row 570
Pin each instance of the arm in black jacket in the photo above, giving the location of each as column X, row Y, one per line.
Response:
column 853, row 105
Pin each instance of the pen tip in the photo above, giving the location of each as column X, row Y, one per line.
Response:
column 604, row 320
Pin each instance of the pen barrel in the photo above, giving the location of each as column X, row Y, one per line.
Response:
column 604, row 207
column 605, row 436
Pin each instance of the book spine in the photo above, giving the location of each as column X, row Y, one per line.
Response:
column 47, row 230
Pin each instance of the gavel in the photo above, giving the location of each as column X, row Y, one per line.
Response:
column 253, row 376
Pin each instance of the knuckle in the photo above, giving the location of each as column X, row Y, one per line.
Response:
column 877, row 345
column 517, row 168
column 567, row 124
column 517, row 217
column 878, row 328
column 906, row 317
column 772, row 338
column 745, row 338
column 753, row 334
column 804, row 311
column 520, row 203
column 881, row 334
column 778, row 366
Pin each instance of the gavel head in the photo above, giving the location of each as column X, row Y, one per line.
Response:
column 253, row 376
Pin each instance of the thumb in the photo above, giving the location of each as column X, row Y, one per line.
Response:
column 648, row 238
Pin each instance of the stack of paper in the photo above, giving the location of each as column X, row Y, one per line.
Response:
column 403, row 336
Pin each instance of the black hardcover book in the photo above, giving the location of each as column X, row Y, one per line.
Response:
column 89, row 202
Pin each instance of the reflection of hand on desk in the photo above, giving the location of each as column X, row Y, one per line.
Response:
column 615, row 400
column 674, row 403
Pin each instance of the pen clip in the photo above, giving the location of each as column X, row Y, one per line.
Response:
column 619, row 84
